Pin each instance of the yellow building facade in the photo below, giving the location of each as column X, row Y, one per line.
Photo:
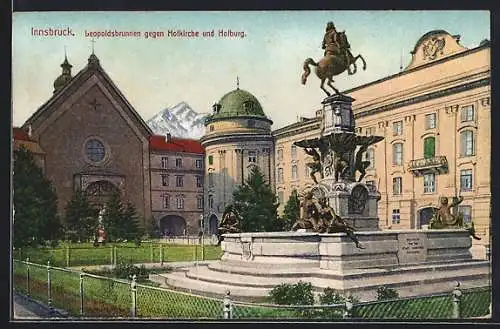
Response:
column 435, row 119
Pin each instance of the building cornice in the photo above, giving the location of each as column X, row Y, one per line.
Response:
column 420, row 67
column 294, row 129
column 425, row 97
column 234, row 138
column 210, row 120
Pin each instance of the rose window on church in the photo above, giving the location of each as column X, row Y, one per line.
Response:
column 95, row 150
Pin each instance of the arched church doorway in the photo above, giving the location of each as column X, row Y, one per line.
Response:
column 172, row 225
column 425, row 215
column 99, row 192
column 213, row 224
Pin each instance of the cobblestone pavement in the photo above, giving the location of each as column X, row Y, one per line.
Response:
column 25, row 309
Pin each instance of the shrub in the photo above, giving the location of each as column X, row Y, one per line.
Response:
column 384, row 293
column 300, row 293
column 126, row 271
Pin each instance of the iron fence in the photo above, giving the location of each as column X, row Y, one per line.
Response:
column 85, row 295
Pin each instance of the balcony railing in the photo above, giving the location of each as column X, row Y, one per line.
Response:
column 437, row 164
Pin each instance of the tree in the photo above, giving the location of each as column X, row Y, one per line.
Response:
column 112, row 217
column 153, row 228
column 256, row 203
column 291, row 212
column 81, row 218
column 120, row 220
column 35, row 203
column 130, row 223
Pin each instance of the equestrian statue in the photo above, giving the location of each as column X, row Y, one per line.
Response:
column 337, row 58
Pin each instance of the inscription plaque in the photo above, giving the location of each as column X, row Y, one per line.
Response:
column 246, row 250
column 412, row 248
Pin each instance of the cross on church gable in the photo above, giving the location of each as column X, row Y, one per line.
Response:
column 94, row 104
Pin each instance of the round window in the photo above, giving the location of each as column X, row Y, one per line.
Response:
column 94, row 150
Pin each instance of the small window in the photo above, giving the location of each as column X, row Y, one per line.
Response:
column 199, row 181
column 429, row 183
column 179, row 181
column 279, row 154
column 429, row 147
column 466, row 180
column 178, row 163
column 280, row 175
column 294, row 152
column 211, row 182
column 294, row 172
column 199, row 202
column 198, row 163
column 370, row 131
column 164, row 162
column 397, row 128
column 166, row 201
column 164, row 180
column 396, row 217
column 396, row 185
column 212, row 128
column 210, row 159
column 467, row 113
column 252, row 156
column 397, row 154
column 211, row 201
column 466, row 212
column 180, row 202
column 467, row 143
column 430, row 121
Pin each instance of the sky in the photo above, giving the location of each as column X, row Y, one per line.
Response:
column 154, row 73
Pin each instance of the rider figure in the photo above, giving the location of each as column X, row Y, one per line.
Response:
column 330, row 40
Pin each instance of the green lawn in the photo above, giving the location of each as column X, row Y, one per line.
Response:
column 86, row 254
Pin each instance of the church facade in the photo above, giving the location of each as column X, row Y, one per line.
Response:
column 88, row 137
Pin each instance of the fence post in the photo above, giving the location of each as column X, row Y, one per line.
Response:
column 112, row 255
column 161, row 254
column 81, row 292
column 49, row 288
column 115, row 252
column 151, row 252
column 348, row 310
column 67, row 255
column 457, row 296
column 133, row 289
column 227, row 311
column 27, row 276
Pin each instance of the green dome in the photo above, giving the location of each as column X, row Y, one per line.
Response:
column 239, row 103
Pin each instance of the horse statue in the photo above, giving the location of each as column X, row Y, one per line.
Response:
column 334, row 64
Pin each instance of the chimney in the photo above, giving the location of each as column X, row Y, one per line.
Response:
column 29, row 131
column 168, row 138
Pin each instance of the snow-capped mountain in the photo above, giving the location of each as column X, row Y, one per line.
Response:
column 180, row 121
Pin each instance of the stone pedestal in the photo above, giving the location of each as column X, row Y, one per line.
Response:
column 414, row 262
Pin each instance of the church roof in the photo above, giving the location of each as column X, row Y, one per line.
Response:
column 160, row 143
column 93, row 67
column 239, row 102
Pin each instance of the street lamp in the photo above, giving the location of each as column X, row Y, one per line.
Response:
column 202, row 239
